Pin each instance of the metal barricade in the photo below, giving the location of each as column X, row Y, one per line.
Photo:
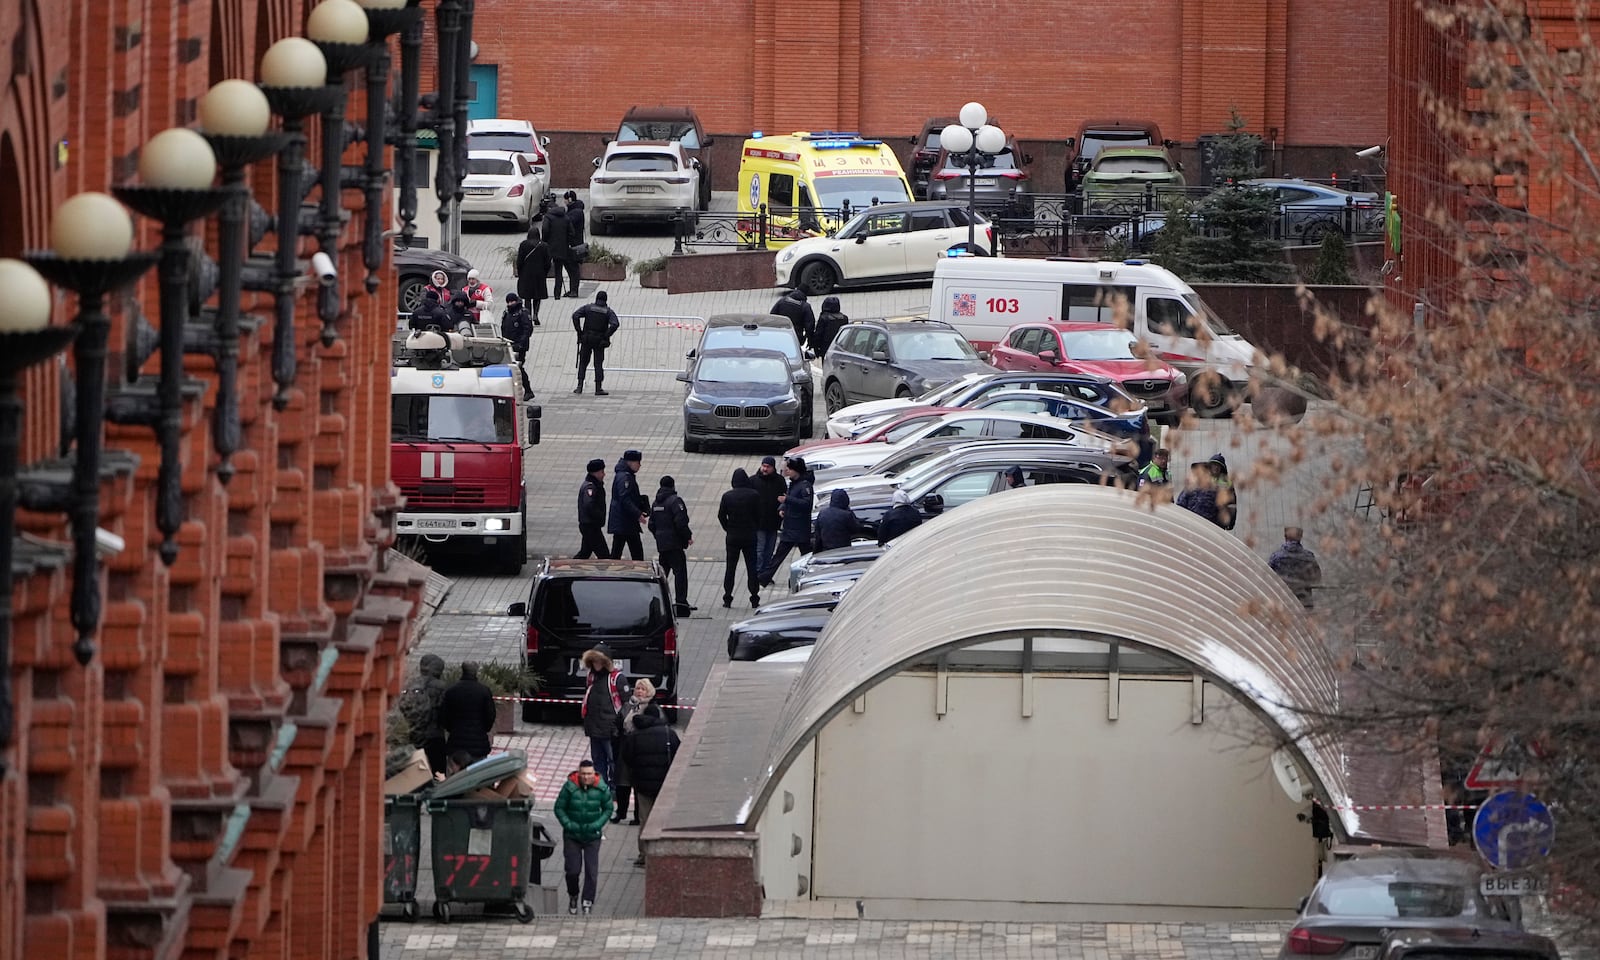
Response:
column 649, row 343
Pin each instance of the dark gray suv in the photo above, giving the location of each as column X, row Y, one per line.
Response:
column 894, row 357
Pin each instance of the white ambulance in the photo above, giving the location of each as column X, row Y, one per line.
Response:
column 984, row 297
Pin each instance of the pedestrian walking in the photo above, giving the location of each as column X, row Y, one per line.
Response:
column 901, row 518
column 603, row 694
column 770, row 487
column 739, row 512
column 532, row 270
column 517, row 327
column 643, row 693
column 1297, row 566
column 836, row 525
column 669, row 524
column 794, row 307
column 1158, row 472
column 558, row 236
column 420, row 707
column 594, row 323
column 649, row 748
column 592, row 513
column 795, row 508
column 829, row 324
column 430, row 313
column 576, row 217
column 629, row 508
column 583, row 808
column 479, row 294
column 466, row 714
column 578, row 248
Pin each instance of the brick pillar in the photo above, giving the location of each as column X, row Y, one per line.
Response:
column 1228, row 62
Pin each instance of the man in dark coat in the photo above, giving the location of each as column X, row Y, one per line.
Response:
column 829, row 324
column 837, row 525
column 899, row 519
column 669, row 524
column 594, row 324
column 466, row 714
column 533, row 270
column 1297, row 566
column 576, row 221
column 420, row 707
column 794, row 307
column 629, row 508
column 592, row 513
column 740, row 515
column 795, row 506
column 770, row 487
column 648, row 752
column 558, row 235
column 430, row 313
column 517, row 326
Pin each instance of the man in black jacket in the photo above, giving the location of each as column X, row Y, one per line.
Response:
column 558, row 235
column 769, row 488
column 592, row 513
column 793, row 306
column 466, row 714
column 900, row 518
column 594, row 323
column 517, row 326
column 648, row 753
column 669, row 524
column 430, row 313
column 796, row 510
column 629, row 507
column 740, row 514
column 837, row 525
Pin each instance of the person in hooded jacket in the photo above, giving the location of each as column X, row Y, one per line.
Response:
column 629, row 508
column 739, row 512
column 900, row 518
column 770, row 486
column 828, row 326
column 669, row 524
column 594, row 323
column 440, row 284
column 462, row 315
column 558, row 235
column 430, row 313
column 533, row 270
column 605, row 689
column 592, row 513
column 466, row 714
column 795, row 508
column 836, row 525
column 421, row 710
column 517, row 326
column 796, row 310
column 1227, row 496
column 649, row 750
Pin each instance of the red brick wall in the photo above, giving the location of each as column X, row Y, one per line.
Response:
column 1314, row 70
column 123, row 773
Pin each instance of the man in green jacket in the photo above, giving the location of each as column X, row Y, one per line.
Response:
column 584, row 809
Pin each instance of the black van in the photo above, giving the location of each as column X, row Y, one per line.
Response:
column 576, row 605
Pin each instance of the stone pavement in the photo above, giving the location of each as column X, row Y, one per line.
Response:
column 670, row 939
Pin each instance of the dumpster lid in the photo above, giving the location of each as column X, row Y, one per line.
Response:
column 485, row 773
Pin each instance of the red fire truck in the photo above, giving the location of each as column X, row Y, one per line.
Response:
column 461, row 423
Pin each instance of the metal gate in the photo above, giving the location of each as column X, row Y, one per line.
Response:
column 650, row 343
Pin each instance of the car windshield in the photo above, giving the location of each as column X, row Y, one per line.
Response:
column 1132, row 165
column 514, row 142
column 763, row 338
column 490, row 168
column 1004, row 160
column 1204, row 309
column 1094, row 142
column 1381, row 898
column 906, row 428
column 643, row 163
column 1114, row 344
column 608, row 607
column 834, row 192
column 423, row 417
column 937, row 396
column 680, row 130
column 742, row 370
column 931, row 345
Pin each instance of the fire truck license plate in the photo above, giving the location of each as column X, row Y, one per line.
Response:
column 436, row 524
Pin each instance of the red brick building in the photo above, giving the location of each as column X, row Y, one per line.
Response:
column 1315, row 72
column 209, row 786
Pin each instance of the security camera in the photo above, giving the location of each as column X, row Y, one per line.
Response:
column 322, row 266
column 107, row 544
column 1370, row 152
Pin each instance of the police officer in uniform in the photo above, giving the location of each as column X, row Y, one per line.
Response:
column 592, row 503
column 594, row 324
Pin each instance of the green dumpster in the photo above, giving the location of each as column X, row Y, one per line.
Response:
column 481, row 851
column 402, row 850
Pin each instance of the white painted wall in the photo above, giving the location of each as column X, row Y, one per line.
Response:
column 1147, row 811
column 779, row 866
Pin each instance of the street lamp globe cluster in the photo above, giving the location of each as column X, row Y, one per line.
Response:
column 972, row 137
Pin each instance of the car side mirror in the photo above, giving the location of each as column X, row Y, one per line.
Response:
column 1179, row 166
column 683, row 376
column 690, row 355
column 518, row 609
column 596, row 163
column 605, row 141
column 708, row 141
column 1048, row 356
column 1072, row 142
column 861, row 238
column 544, row 141
column 880, row 356
column 1302, row 907
column 912, row 139
column 1027, row 158
column 809, row 354
column 1169, row 144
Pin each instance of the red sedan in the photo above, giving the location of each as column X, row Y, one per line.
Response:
column 1097, row 348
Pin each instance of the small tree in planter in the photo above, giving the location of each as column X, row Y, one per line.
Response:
column 1333, row 260
column 604, row 263
column 652, row 272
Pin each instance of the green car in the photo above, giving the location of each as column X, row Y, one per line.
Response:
column 1117, row 182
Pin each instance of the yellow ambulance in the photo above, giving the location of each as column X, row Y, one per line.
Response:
column 811, row 183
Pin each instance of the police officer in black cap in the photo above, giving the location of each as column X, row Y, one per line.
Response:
column 592, row 513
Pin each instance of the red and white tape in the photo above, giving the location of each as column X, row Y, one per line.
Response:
column 579, row 703
column 696, row 327
column 1405, row 806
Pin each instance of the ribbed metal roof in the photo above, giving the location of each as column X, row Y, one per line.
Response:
column 1076, row 559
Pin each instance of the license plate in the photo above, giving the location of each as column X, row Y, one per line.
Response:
column 740, row 425
column 1512, row 885
column 436, row 524
column 987, row 181
column 642, row 189
column 1363, row 953
column 480, row 191
column 577, row 669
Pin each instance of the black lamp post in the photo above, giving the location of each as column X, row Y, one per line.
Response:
column 972, row 137
column 405, row 143
column 466, row 52
column 382, row 22
column 448, row 17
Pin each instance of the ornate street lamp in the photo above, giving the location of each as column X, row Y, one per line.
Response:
column 443, row 116
column 972, row 137
column 385, row 18
column 405, row 143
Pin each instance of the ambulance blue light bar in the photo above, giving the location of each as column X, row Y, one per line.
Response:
column 498, row 371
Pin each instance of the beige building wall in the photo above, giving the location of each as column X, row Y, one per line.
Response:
column 783, row 850
column 1149, row 815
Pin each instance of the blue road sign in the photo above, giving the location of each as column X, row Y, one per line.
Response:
column 1513, row 830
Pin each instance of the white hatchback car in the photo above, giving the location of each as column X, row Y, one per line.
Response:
column 641, row 180
column 501, row 186
column 882, row 244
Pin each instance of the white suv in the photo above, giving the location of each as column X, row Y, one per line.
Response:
column 641, row 180
column 514, row 136
column 881, row 244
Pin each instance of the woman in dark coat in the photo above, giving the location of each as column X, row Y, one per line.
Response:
column 533, row 270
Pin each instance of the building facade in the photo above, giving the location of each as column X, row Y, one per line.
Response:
column 209, row 785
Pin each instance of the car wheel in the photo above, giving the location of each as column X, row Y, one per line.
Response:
column 411, row 290
column 817, row 278
column 1211, row 396
column 902, row 392
column 833, row 397
column 1317, row 229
